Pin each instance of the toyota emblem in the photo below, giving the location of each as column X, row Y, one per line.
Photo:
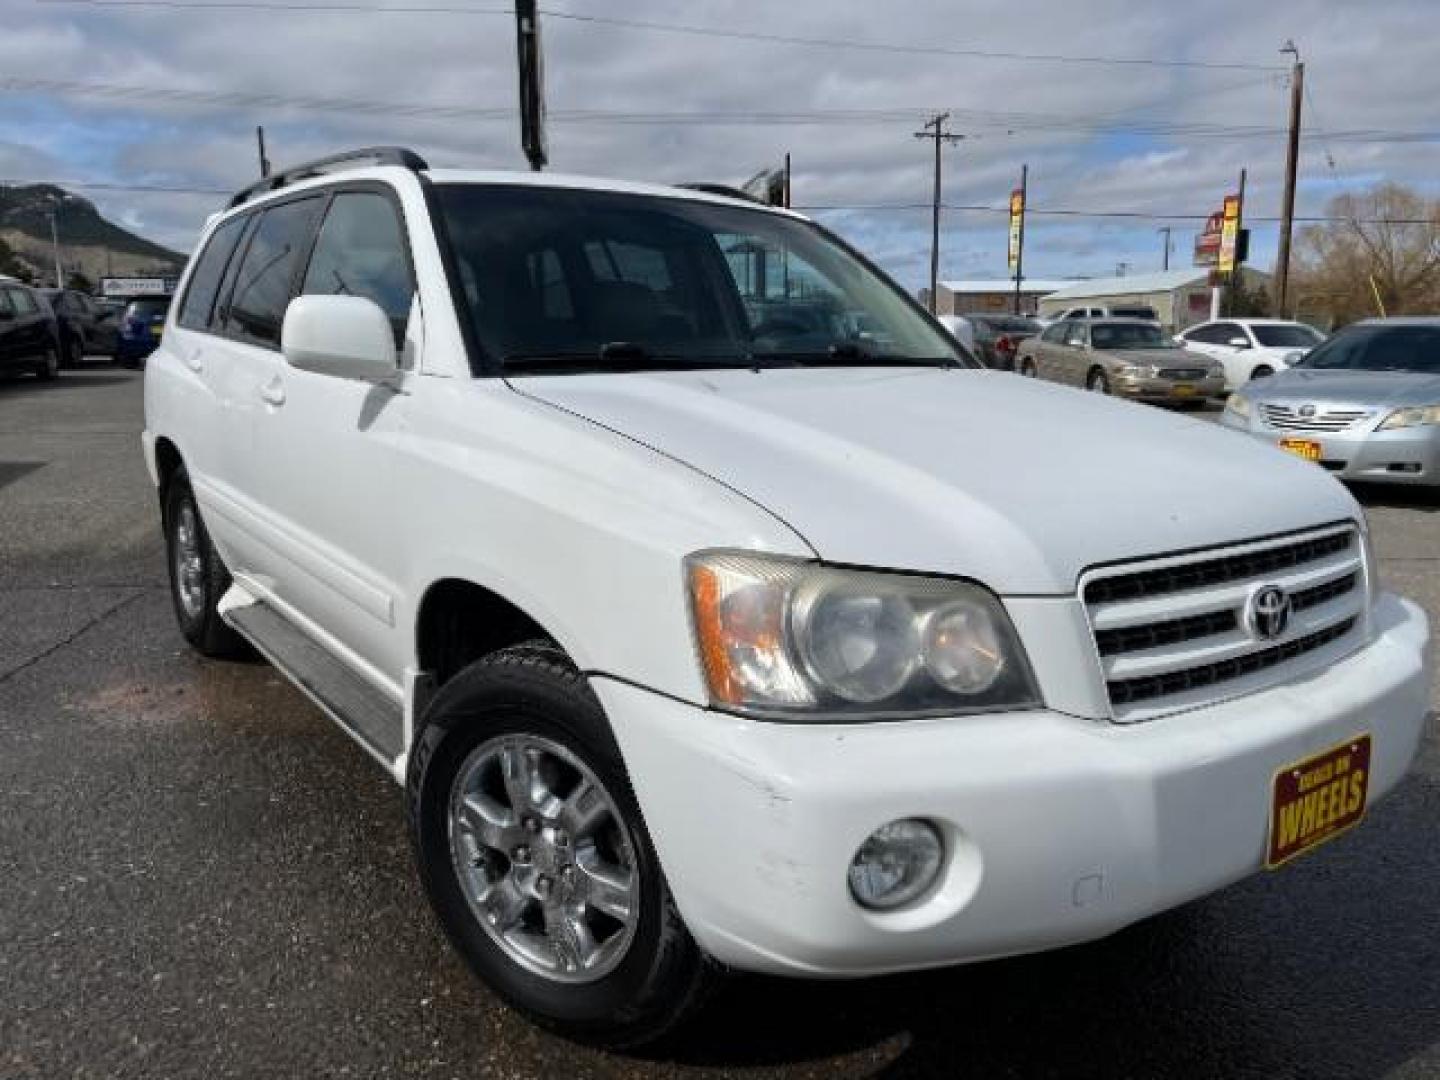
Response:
column 1307, row 411
column 1269, row 612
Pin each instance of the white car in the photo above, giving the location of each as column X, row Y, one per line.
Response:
column 1251, row 348
column 700, row 643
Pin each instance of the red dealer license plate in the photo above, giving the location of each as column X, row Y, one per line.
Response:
column 1317, row 799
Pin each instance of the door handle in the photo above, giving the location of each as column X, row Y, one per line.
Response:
column 273, row 392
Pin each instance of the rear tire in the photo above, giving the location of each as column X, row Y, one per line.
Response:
column 74, row 353
column 528, row 705
column 1027, row 368
column 198, row 577
column 1097, row 382
column 49, row 366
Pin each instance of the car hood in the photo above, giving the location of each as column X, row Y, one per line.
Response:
column 1017, row 483
column 1378, row 389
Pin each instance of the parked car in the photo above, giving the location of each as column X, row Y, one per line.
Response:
column 1108, row 311
column 998, row 337
column 1251, row 348
column 1365, row 404
column 1129, row 357
column 29, row 334
column 961, row 328
column 704, row 644
column 141, row 327
column 86, row 326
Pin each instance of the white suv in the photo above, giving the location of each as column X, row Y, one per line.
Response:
column 705, row 633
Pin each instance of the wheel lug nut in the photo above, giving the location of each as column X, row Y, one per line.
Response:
column 531, row 823
column 521, row 854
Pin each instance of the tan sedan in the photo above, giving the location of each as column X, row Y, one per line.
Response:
column 1129, row 357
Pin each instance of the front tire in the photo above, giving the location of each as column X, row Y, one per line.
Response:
column 198, row 577
column 536, row 859
column 1097, row 382
column 1027, row 368
column 74, row 353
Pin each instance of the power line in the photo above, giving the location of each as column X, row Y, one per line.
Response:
column 1010, row 122
column 979, row 208
column 692, row 30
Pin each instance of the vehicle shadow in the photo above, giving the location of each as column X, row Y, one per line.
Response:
column 1326, row 969
column 1396, row 497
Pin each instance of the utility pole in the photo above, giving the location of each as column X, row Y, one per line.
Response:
column 1292, row 163
column 934, row 129
column 260, row 144
column 1165, row 230
column 532, row 84
column 55, row 245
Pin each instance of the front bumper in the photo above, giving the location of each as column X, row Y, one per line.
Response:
column 1058, row 829
column 1155, row 389
column 1401, row 456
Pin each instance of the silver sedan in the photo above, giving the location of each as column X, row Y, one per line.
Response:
column 1365, row 405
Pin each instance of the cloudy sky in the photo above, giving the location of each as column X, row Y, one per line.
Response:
column 137, row 94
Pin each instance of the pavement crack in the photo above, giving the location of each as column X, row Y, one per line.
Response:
column 89, row 624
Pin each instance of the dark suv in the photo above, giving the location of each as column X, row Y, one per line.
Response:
column 86, row 327
column 29, row 335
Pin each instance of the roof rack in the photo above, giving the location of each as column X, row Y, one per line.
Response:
column 722, row 189
column 370, row 155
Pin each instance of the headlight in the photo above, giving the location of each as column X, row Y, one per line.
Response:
column 1136, row 371
column 1238, row 406
column 781, row 636
column 1292, row 358
column 1414, row 417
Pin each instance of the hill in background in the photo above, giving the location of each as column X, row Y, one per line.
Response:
column 89, row 244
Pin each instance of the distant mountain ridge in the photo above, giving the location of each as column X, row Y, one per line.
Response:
column 89, row 243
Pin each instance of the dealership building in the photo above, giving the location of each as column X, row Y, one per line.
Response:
column 1180, row 298
column 994, row 295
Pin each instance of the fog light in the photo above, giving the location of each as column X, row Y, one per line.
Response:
column 896, row 864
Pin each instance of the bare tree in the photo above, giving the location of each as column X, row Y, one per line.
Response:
column 1381, row 247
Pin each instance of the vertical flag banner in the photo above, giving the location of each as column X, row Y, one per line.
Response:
column 1017, row 212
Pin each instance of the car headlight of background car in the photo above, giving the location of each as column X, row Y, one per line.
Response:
column 1417, row 416
column 1238, row 406
column 1292, row 358
column 781, row 636
column 1136, row 371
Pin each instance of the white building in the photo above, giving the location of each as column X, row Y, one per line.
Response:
column 992, row 295
column 1181, row 297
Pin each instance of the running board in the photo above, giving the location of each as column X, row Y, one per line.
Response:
column 364, row 711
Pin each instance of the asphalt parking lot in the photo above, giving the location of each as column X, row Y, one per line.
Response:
column 201, row 876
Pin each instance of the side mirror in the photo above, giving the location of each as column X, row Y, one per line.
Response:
column 1239, row 342
column 348, row 337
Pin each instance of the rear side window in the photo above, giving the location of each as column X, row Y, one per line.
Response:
column 267, row 270
column 24, row 303
column 204, row 285
column 6, row 304
column 361, row 251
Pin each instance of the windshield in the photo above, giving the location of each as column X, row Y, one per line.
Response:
column 1379, row 348
column 567, row 280
column 1129, row 336
column 152, row 308
column 1297, row 336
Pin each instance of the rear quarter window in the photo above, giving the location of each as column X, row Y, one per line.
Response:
column 204, row 285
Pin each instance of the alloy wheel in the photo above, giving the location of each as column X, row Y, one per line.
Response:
column 544, row 858
column 189, row 562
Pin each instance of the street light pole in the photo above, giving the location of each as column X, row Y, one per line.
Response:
column 55, row 246
column 934, row 129
column 1292, row 164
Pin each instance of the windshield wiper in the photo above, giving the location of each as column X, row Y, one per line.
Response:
column 846, row 353
column 612, row 356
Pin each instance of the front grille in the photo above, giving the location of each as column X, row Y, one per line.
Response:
column 1181, row 373
column 1290, row 418
column 1197, row 575
column 1129, row 691
column 1176, row 632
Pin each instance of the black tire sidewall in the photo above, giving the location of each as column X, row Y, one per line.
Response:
column 1098, row 382
column 541, row 695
